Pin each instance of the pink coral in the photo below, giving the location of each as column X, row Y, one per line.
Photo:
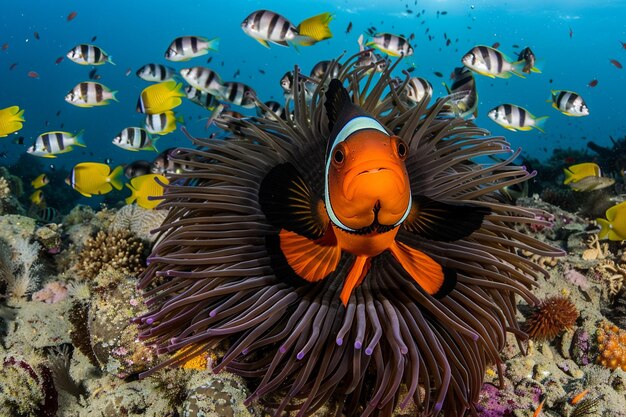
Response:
column 577, row 278
column 52, row 293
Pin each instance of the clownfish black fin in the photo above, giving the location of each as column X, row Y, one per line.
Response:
column 305, row 249
column 433, row 278
column 445, row 222
column 287, row 202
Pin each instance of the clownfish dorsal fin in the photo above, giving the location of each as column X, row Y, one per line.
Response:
column 337, row 99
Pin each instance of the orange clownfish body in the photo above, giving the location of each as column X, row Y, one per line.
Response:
column 365, row 200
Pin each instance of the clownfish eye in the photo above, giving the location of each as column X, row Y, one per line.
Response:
column 401, row 148
column 338, row 156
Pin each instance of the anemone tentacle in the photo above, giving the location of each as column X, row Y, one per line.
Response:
column 210, row 279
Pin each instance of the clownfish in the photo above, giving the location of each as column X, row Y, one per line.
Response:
column 366, row 199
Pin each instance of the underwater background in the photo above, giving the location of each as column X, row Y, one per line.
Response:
column 574, row 42
column 70, row 303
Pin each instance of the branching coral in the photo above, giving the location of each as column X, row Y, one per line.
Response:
column 613, row 274
column 595, row 249
column 552, row 316
column 117, row 249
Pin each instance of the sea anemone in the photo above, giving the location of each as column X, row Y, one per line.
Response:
column 550, row 318
column 212, row 277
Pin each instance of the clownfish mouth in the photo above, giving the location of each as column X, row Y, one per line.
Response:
column 374, row 227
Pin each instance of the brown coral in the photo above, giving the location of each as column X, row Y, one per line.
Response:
column 553, row 315
column 117, row 249
column 611, row 346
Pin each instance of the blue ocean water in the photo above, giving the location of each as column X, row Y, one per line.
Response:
column 574, row 41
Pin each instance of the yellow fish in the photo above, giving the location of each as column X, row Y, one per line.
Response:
column 89, row 178
column 40, row 181
column 10, row 120
column 37, row 197
column 160, row 97
column 314, row 29
column 614, row 227
column 577, row 172
column 145, row 186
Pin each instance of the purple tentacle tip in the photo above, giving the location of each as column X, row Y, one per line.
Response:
column 282, row 349
column 369, row 351
column 300, row 355
column 212, row 313
column 339, row 341
column 149, row 320
column 358, row 344
column 438, row 407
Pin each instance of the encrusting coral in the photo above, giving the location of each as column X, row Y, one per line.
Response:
column 611, row 346
column 118, row 249
column 552, row 316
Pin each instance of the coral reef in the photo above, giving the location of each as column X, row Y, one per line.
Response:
column 139, row 221
column 117, row 249
column 113, row 336
column 51, row 293
column 27, row 389
column 21, row 267
column 550, row 318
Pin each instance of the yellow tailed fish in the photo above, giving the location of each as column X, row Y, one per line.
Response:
column 11, row 120
column 89, row 178
column 614, row 227
column 577, row 172
column 145, row 186
column 160, row 97
column 40, row 181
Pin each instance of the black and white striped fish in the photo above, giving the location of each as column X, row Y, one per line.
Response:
column 90, row 94
column 48, row 215
column 323, row 67
column 266, row 26
column 162, row 123
column 367, row 57
column 201, row 98
column 569, row 103
column 529, row 59
column 156, row 73
column 287, row 81
column 490, row 62
column 417, row 90
column 85, row 54
column 274, row 110
column 186, row 47
column 464, row 99
column 50, row 144
column 514, row 118
column 392, row 45
column 239, row 94
column 203, row 79
column 134, row 139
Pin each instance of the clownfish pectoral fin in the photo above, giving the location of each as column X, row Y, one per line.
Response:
column 308, row 259
column 445, row 222
column 359, row 269
column 287, row 202
column 432, row 277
